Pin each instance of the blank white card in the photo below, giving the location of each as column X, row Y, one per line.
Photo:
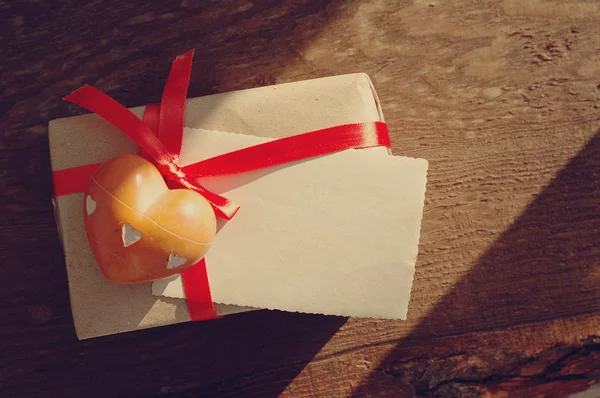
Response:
column 335, row 235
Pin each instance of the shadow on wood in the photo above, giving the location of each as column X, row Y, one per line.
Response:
column 126, row 51
column 545, row 266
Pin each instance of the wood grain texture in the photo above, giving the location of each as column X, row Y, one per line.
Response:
column 502, row 98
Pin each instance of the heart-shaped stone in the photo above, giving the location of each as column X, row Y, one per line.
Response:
column 139, row 230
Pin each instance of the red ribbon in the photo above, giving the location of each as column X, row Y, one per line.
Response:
column 160, row 134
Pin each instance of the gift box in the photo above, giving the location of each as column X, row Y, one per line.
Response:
column 334, row 233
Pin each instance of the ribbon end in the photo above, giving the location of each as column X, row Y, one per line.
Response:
column 234, row 211
column 188, row 54
column 75, row 93
column 226, row 212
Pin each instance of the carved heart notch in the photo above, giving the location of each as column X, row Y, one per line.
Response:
column 139, row 230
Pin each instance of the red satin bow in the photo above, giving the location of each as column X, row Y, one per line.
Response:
column 160, row 134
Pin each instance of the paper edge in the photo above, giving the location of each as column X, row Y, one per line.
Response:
column 404, row 316
column 139, row 109
column 412, row 277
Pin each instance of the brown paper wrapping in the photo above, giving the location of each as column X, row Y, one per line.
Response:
column 102, row 308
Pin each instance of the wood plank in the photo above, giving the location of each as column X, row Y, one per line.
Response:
column 551, row 357
column 503, row 99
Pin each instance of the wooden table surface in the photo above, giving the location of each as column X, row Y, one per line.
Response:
column 502, row 98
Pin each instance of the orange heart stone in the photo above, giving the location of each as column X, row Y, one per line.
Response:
column 139, row 230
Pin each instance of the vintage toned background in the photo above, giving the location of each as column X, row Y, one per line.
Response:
column 501, row 96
